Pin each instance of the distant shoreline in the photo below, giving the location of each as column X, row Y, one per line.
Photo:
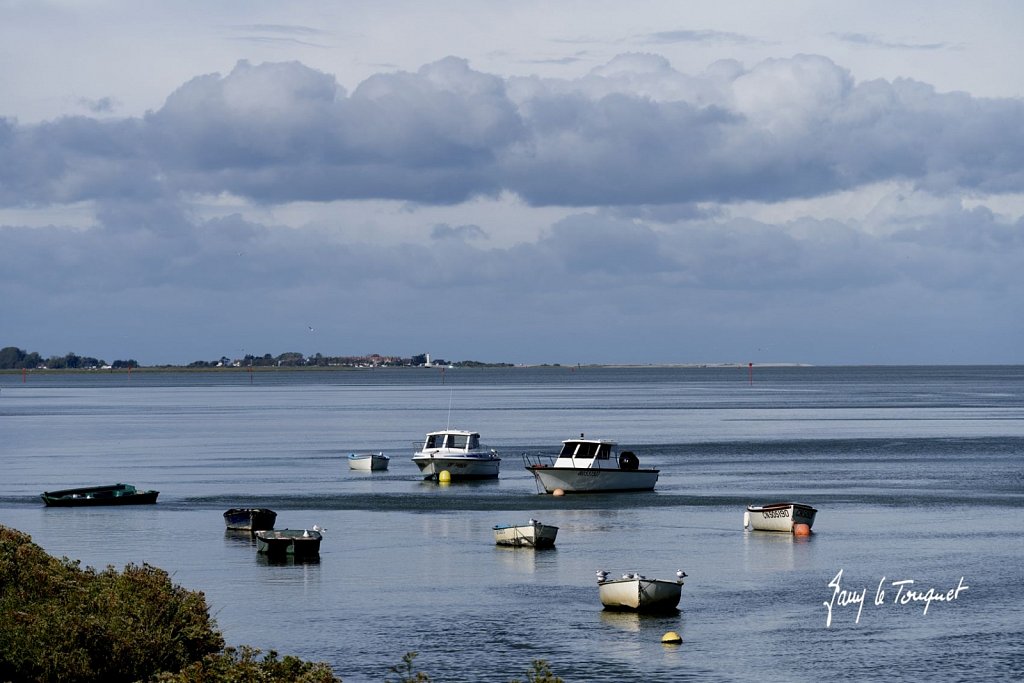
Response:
column 151, row 369
column 349, row 368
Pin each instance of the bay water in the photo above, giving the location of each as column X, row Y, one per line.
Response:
column 914, row 572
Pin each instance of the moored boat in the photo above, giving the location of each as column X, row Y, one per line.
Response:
column 115, row 494
column 533, row 534
column 283, row 542
column 457, row 452
column 635, row 592
column 250, row 519
column 590, row 465
column 368, row 461
column 778, row 516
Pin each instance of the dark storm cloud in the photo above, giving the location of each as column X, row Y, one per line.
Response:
column 282, row 132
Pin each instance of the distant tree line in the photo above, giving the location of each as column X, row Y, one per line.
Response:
column 13, row 358
column 296, row 359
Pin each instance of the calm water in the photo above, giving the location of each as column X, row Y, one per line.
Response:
column 918, row 474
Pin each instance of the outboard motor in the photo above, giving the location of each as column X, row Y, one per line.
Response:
column 628, row 461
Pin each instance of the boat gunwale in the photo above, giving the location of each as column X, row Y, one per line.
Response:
column 779, row 506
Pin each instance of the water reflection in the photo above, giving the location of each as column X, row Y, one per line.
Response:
column 268, row 560
column 634, row 622
column 523, row 560
column 771, row 550
column 239, row 537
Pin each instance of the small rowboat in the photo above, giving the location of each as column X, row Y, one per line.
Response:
column 533, row 534
column 778, row 516
column 368, row 461
column 288, row 542
column 249, row 519
column 115, row 494
column 636, row 593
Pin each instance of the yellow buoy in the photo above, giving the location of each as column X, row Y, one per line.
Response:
column 444, row 477
column 558, row 492
column 801, row 530
column 671, row 638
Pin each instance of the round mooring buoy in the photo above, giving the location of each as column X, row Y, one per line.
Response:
column 671, row 638
column 558, row 492
column 444, row 477
column 801, row 530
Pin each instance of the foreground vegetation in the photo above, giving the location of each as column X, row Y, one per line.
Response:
column 60, row 622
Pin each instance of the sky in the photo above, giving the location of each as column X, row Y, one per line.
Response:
column 528, row 182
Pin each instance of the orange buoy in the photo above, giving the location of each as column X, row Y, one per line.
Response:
column 558, row 492
column 801, row 530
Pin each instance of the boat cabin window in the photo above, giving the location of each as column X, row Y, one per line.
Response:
column 474, row 441
column 435, row 440
column 582, row 449
column 457, row 441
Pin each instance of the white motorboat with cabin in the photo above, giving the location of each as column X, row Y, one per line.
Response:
column 778, row 516
column 590, row 465
column 368, row 461
column 635, row 592
column 457, row 452
column 533, row 534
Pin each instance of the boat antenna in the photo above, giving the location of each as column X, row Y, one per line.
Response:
column 448, row 424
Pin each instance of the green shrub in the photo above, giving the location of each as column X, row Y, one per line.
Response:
column 61, row 622
column 242, row 666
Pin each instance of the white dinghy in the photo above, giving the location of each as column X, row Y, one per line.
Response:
column 635, row 592
column 533, row 534
column 778, row 516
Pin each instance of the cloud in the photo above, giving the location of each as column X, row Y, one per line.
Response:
column 871, row 40
column 443, row 231
column 104, row 105
column 279, row 34
column 697, row 36
column 648, row 160
column 633, row 132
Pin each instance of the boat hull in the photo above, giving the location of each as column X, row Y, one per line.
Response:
column 593, row 480
column 533, row 535
column 288, row 542
column 367, row 462
column 90, row 496
column 640, row 595
column 778, row 516
column 458, row 467
column 250, row 519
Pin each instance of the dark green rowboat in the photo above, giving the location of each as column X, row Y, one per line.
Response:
column 116, row 494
